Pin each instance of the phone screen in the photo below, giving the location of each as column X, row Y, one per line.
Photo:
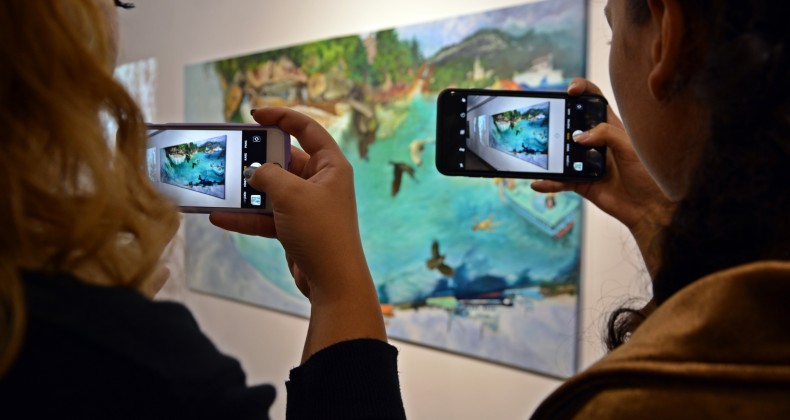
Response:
column 201, row 169
column 517, row 134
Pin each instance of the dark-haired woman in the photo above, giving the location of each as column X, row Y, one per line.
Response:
column 703, row 185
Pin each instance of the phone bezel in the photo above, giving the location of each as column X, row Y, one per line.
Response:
column 444, row 146
column 278, row 150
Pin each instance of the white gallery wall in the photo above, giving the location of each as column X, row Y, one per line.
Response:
column 435, row 384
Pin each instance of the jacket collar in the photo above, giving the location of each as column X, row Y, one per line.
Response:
column 735, row 316
column 728, row 327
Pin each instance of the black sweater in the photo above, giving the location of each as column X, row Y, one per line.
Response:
column 108, row 352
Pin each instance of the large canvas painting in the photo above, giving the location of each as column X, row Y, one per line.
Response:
column 486, row 268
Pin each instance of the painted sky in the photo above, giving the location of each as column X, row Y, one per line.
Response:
column 546, row 15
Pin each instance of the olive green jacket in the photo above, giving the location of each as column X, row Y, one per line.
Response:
column 719, row 348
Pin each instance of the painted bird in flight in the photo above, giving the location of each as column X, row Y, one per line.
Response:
column 398, row 169
column 437, row 261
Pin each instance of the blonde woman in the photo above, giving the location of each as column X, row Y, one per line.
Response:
column 84, row 230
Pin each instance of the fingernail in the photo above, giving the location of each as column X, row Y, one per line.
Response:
column 249, row 172
column 252, row 111
column 571, row 86
column 581, row 136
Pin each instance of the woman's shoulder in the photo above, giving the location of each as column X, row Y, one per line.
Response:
column 63, row 299
column 111, row 345
column 721, row 339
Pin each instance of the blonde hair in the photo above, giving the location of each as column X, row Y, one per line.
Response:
column 72, row 202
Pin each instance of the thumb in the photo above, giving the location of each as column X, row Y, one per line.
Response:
column 273, row 180
column 606, row 134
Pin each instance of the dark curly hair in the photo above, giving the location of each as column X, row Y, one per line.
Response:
column 737, row 207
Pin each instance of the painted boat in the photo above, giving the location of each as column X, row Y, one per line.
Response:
column 551, row 214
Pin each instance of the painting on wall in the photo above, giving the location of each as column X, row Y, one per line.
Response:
column 139, row 80
column 486, row 268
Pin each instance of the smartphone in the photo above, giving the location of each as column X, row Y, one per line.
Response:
column 201, row 166
column 517, row 134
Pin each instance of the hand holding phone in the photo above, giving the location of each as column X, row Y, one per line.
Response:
column 518, row 134
column 200, row 166
column 313, row 202
column 315, row 219
column 628, row 192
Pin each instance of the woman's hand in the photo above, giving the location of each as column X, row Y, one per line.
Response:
column 627, row 192
column 315, row 219
column 314, row 209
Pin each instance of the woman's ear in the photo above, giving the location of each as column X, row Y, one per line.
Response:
column 666, row 50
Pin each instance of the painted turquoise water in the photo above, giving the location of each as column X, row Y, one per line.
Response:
column 468, row 217
column 398, row 231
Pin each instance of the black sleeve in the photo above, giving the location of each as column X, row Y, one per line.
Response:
column 207, row 382
column 356, row 379
column 92, row 350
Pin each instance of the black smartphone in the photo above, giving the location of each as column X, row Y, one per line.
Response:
column 201, row 166
column 517, row 134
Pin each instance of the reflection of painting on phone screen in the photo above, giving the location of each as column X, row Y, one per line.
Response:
column 198, row 166
column 523, row 133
